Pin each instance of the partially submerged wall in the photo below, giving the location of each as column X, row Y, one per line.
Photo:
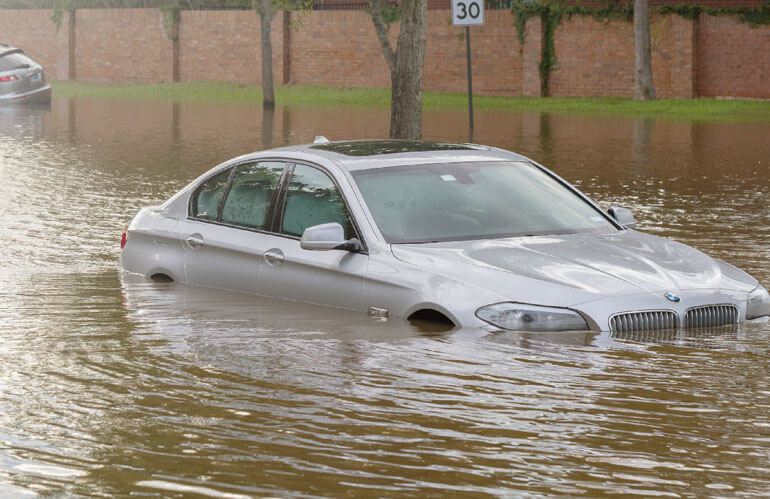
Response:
column 711, row 56
column 225, row 46
column 597, row 58
column 124, row 44
column 733, row 59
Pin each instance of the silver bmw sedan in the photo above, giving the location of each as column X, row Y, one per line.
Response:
column 465, row 234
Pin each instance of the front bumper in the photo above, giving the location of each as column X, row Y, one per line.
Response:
column 602, row 311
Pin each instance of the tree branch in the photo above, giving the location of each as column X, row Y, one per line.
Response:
column 375, row 9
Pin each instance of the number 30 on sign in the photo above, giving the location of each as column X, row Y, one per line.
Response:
column 467, row 12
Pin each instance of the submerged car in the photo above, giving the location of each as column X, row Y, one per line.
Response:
column 22, row 80
column 468, row 234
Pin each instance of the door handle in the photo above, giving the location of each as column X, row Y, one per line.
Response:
column 195, row 240
column 273, row 257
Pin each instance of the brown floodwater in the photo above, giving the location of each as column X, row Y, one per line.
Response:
column 113, row 386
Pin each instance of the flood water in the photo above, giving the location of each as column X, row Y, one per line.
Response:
column 112, row 386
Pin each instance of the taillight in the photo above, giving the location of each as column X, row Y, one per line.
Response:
column 124, row 239
column 9, row 78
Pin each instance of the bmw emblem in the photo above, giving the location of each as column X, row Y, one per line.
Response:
column 672, row 297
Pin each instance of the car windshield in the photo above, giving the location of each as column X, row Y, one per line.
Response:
column 457, row 201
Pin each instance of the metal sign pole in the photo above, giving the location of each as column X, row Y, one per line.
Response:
column 468, row 13
column 470, row 79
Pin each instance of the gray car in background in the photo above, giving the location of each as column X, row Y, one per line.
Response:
column 22, row 80
column 460, row 233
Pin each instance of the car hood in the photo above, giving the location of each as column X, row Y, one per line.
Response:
column 590, row 264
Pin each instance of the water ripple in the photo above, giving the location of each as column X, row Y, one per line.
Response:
column 110, row 386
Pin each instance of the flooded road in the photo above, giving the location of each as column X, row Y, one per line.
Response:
column 111, row 386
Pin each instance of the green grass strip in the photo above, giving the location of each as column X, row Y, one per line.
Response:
column 300, row 95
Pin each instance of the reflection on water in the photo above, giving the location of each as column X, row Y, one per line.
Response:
column 111, row 385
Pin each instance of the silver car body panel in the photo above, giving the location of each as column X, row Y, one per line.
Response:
column 596, row 274
column 26, row 83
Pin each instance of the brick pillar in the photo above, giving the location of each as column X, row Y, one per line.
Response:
column 71, row 45
column 530, row 58
column 684, row 59
column 286, row 47
column 175, row 46
column 63, row 41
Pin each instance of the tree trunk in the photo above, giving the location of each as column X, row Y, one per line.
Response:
column 406, row 66
column 266, row 18
column 644, row 89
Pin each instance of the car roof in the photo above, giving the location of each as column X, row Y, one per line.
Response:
column 368, row 154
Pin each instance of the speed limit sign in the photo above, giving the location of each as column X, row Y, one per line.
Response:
column 467, row 12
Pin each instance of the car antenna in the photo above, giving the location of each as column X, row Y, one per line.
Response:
column 320, row 139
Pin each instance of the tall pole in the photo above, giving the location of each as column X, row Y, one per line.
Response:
column 470, row 80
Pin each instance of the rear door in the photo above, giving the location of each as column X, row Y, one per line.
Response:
column 224, row 235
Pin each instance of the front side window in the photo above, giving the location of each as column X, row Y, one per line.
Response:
column 313, row 199
column 250, row 195
column 208, row 196
column 455, row 201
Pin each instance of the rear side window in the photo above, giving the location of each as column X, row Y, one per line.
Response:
column 207, row 198
column 251, row 193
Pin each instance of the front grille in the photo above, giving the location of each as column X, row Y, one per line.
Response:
column 710, row 316
column 655, row 320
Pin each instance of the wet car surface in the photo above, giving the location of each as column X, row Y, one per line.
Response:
column 117, row 386
column 22, row 80
column 470, row 235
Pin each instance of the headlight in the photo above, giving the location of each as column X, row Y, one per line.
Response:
column 523, row 317
column 758, row 304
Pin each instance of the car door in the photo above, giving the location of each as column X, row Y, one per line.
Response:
column 224, row 235
column 334, row 277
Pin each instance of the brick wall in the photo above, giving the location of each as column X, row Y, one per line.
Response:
column 659, row 3
column 34, row 32
column 495, row 55
column 593, row 58
column 122, row 45
column 225, row 46
column 338, row 48
column 733, row 59
column 597, row 58
column 708, row 57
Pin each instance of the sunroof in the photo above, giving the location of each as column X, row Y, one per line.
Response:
column 378, row 147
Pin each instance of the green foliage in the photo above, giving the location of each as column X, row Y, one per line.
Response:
column 753, row 16
column 551, row 19
column 314, row 96
column 391, row 13
column 614, row 10
column 556, row 10
column 523, row 12
column 302, row 7
column 170, row 19
column 59, row 8
column 552, row 12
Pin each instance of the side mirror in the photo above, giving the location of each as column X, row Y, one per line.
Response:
column 326, row 237
column 624, row 216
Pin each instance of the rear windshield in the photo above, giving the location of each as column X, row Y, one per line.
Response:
column 445, row 202
column 15, row 60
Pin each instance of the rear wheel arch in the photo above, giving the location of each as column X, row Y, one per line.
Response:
column 161, row 275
